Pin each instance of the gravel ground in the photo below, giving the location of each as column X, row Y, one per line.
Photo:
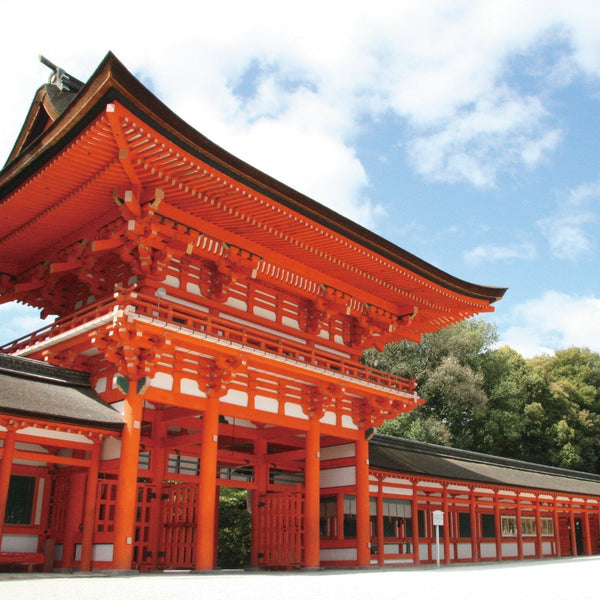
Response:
column 567, row 578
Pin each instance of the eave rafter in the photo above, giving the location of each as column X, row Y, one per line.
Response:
column 185, row 175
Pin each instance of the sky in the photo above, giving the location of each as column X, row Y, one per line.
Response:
column 465, row 132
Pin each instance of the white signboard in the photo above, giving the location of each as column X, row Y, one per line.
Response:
column 438, row 517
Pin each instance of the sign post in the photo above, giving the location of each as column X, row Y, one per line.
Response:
column 438, row 520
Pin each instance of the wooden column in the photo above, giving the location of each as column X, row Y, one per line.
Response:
column 73, row 518
column 127, row 481
column 158, row 467
column 363, row 525
column 519, row 527
column 497, row 527
column 415, row 524
column 261, row 479
column 89, row 509
column 573, row 532
column 380, row 532
column 207, row 489
column 557, row 547
column 474, row 527
column 587, row 543
column 539, row 549
column 312, row 492
column 8, row 452
column 446, row 525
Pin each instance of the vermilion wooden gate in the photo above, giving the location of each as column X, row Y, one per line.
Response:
column 179, row 504
column 279, row 530
column 143, row 552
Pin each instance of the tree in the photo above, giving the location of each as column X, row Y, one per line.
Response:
column 233, row 548
column 447, row 365
column 492, row 400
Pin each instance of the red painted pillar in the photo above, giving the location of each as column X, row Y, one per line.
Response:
column 519, row 527
column 497, row 526
column 573, row 533
column 8, row 452
column 587, row 543
column 539, row 549
column 261, row 479
column 415, row 524
column 474, row 527
column 127, row 481
column 158, row 467
column 558, row 549
column 446, row 526
column 207, row 492
column 89, row 509
column 363, row 518
column 73, row 517
column 312, row 492
column 380, row 533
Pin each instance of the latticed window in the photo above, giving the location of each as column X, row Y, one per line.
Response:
column 19, row 504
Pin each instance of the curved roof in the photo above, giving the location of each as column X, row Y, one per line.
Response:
column 429, row 460
column 31, row 388
column 205, row 181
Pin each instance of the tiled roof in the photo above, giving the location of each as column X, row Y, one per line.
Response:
column 400, row 455
column 36, row 389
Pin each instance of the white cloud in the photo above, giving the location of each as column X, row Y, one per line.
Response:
column 17, row 320
column 492, row 253
column 478, row 141
column 552, row 322
column 569, row 231
column 439, row 66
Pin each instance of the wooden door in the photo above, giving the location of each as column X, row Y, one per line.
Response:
column 279, row 530
column 179, row 504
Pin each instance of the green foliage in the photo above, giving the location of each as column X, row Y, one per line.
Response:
column 233, row 549
column 492, row 400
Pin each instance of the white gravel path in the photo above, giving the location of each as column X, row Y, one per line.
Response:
column 568, row 579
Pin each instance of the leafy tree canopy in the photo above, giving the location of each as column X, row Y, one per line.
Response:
column 488, row 399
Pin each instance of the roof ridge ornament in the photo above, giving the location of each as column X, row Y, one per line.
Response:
column 60, row 78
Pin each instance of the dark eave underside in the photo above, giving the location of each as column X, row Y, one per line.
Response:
column 112, row 82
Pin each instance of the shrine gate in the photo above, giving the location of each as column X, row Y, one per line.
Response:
column 221, row 313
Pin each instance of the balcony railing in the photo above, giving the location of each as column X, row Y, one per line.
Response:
column 134, row 306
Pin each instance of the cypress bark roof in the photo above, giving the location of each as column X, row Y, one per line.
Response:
column 30, row 388
column 400, row 455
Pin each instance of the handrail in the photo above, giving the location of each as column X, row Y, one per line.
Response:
column 136, row 305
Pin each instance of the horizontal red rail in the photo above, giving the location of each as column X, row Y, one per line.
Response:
column 246, row 335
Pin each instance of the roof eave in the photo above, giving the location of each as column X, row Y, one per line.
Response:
column 112, row 80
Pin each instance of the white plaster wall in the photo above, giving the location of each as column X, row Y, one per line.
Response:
column 259, row 311
column 465, row 551
column 14, row 542
column 337, row 554
column 487, row 550
column 237, row 397
column 111, row 449
column 162, row 381
column 510, row 549
column 100, row 552
column 291, row 409
column 190, row 387
column 341, row 451
column 338, row 477
column 270, row 405
column 528, row 548
column 396, row 491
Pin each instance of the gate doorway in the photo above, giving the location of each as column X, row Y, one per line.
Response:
column 178, row 507
column 278, row 533
column 234, row 529
column 566, row 537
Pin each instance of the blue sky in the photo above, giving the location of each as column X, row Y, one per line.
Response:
column 465, row 132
